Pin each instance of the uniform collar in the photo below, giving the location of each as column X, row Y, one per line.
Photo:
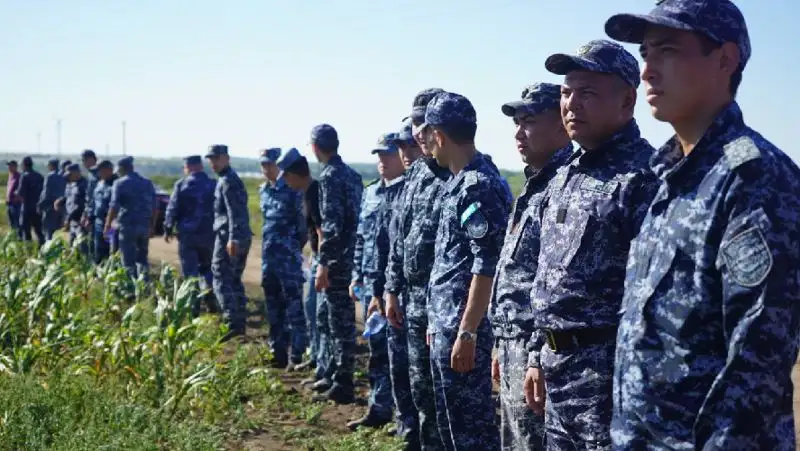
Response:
column 279, row 184
column 225, row 171
column 558, row 159
column 630, row 132
column 477, row 161
column 391, row 183
column 669, row 158
column 335, row 160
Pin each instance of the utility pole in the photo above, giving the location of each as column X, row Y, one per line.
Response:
column 38, row 142
column 58, row 136
column 108, row 152
column 124, row 140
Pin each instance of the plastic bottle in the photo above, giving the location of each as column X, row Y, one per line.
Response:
column 374, row 324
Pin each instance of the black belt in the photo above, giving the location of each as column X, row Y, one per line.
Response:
column 567, row 340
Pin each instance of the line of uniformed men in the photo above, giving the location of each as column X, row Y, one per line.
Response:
column 637, row 298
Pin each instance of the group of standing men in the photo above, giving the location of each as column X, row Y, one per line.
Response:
column 635, row 298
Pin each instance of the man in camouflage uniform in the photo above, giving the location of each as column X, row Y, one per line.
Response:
column 468, row 241
column 104, row 243
column 89, row 160
column 397, row 338
column 340, row 199
column 369, row 269
column 296, row 173
column 545, row 146
column 74, row 202
column 132, row 209
column 54, row 186
column 232, row 241
column 709, row 331
column 13, row 202
column 284, row 234
column 30, row 188
column 594, row 207
column 191, row 212
column 408, row 273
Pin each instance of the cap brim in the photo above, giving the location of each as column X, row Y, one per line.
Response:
column 265, row 161
column 380, row 150
column 632, row 27
column 511, row 109
column 562, row 64
column 210, row 155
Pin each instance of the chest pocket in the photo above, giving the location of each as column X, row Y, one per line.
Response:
column 421, row 239
column 526, row 246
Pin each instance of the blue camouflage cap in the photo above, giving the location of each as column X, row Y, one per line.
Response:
column 601, row 56
column 105, row 164
column 387, row 143
column 193, row 159
column 536, row 98
column 449, row 108
column 406, row 133
column 719, row 20
column 53, row 162
column 287, row 159
column 216, row 150
column 325, row 136
column 269, row 155
column 421, row 101
column 125, row 162
column 65, row 164
column 73, row 167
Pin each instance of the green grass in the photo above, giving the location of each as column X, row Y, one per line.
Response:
column 83, row 368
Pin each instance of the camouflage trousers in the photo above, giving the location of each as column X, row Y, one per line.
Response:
column 407, row 419
column 465, row 408
column 336, row 321
column 381, row 403
column 283, row 299
column 133, row 245
column 521, row 429
column 579, row 397
column 77, row 231
column 228, row 287
column 102, row 248
column 195, row 257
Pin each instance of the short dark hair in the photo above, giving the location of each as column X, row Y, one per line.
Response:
column 299, row 167
column 459, row 133
column 707, row 46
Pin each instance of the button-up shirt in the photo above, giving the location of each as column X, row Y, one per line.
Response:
column 340, row 189
column 231, row 217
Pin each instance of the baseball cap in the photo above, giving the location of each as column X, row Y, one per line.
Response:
column 73, row 167
column 325, row 136
column 88, row 153
column 125, row 162
column 287, row 159
column 216, row 150
column 65, row 164
column 270, row 155
column 449, row 108
column 536, row 98
column 420, row 103
column 193, row 159
column 27, row 161
column 53, row 162
column 11, row 163
column 719, row 20
column 406, row 130
column 387, row 143
column 105, row 164
column 599, row 55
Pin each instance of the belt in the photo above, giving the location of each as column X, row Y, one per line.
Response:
column 567, row 340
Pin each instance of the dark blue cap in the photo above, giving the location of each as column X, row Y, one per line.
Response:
column 27, row 161
column 387, row 143
column 125, row 162
column 53, row 162
column 88, row 153
column 536, row 98
column 217, row 150
column 601, row 56
column 406, row 131
column 105, row 164
column 65, row 164
column 11, row 163
column 193, row 159
column 287, row 159
column 73, row 167
column 449, row 108
column 270, row 155
column 719, row 20
column 421, row 101
column 325, row 136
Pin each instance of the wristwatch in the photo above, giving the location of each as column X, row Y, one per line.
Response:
column 466, row 335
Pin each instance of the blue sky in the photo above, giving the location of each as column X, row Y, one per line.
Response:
column 186, row 74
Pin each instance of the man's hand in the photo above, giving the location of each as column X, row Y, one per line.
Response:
column 534, row 389
column 462, row 359
column 57, row 205
column 321, row 283
column 496, row 370
column 352, row 289
column 232, row 248
column 393, row 313
column 375, row 306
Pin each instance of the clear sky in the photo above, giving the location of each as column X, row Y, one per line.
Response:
column 185, row 74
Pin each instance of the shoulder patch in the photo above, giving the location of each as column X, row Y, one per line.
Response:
column 748, row 258
column 740, row 151
column 474, row 222
column 593, row 184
